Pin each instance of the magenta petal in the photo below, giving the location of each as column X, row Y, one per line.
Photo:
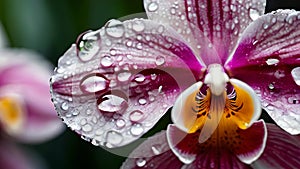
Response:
column 211, row 27
column 121, row 79
column 282, row 150
column 267, row 58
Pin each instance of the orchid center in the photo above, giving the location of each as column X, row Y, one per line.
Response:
column 11, row 114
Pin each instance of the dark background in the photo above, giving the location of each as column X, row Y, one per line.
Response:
column 50, row 27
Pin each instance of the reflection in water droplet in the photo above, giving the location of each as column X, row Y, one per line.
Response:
column 65, row 106
column 254, row 14
column 136, row 116
column 272, row 61
column 112, row 103
column 115, row 28
column 160, row 60
column 94, row 83
column 106, row 61
column 138, row 26
column 153, row 6
column 296, row 75
column 88, row 45
column 114, row 137
column 141, row 162
column 136, row 129
column 124, row 76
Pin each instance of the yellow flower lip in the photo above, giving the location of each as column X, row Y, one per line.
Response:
column 12, row 113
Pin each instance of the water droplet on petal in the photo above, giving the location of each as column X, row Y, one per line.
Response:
column 87, row 128
column 88, row 45
column 153, row 6
column 65, row 106
column 160, row 60
column 272, row 61
column 254, row 14
column 141, row 162
column 139, row 78
column 115, row 28
column 138, row 26
column 120, row 123
column 106, row 61
column 114, row 138
column 271, row 86
column 112, row 103
column 156, row 149
column 142, row 101
column 136, row 129
column 296, row 75
column 94, row 83
column 136, row 116
column 124, row 76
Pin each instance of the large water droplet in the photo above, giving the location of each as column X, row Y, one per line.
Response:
column 141, row 162
column 115, row 28
column 296, row 75
column 136, row 130
column 112, row 103
column 153, row 6
column 138, row 26
column 94, row 83
column 272, row 61
column 88, row 45
column 136, row 116
column 254, row 14
column 114, row 138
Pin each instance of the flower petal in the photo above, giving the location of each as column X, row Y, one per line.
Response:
column 122, row 79
column 216, row 24
column 25, row 76
column 267, row 59
column 282, row 150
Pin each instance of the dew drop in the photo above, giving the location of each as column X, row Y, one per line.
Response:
column 173, row 11
column 115, row 28
column 271, row 86
column 65, row 106
column 138, row 26
column 160, row 60
column 136, row 116
column 94, row 83
column 254, row 14
column 114, row 138
column 139, row 78
column 153, row 6
column 120, row 123
column 124, row 76
column 141, row 162
column 106, row 61
column 112, row 103
column 142, row 101
column 136, row 130
column 296, row 75
column 87, row 128
column 156, row 149
column 88, row 45
column 272, row 61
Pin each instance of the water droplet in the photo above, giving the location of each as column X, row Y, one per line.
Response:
column 112, row 103
column 94, row 83
column 138, row 26
column 272, row 61
column 136, row 116
column 254, row 14
column 156, row 149
column 114, row 28
column 83, row 121
column 142, row 101
column 88, row 45
column 271, row 86
column 65, row 106
column 87, row 128
column 120, row 123
column 296, row 75
column 124, row 76
column 173, row 11
column 265, row 26
column 139, row 78
column 114, row 138
column 160, row 60
column 141, row 162
column 106, row 61
column 136, row 129
column 153, row 6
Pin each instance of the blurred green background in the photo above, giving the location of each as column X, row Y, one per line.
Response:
column 50, row 27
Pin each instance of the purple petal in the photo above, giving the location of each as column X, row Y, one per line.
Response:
column 267, row 58
column 26, row 76
column 211, row 27
column 282, row 150
column 122, row 79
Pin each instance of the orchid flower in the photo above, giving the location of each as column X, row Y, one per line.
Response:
column 26, row 112
column 216, row 62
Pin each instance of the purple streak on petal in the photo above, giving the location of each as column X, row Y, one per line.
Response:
column 122, row 79
column 212, row 27
column 282, row 150
column 267, row 54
